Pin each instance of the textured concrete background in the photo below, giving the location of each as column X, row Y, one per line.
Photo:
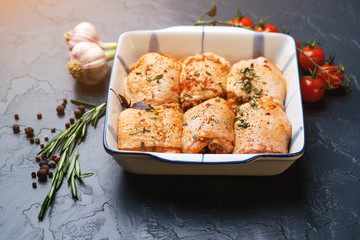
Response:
column 317, row 198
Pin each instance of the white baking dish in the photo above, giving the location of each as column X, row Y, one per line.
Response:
column 234, row 44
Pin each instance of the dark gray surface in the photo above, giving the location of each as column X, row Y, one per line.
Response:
column 317, row 198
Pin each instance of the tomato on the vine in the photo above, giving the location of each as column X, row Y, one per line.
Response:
column 333, row 75
column 315, row 53
column 242, row 22
column 267, row 27
column 312, row 88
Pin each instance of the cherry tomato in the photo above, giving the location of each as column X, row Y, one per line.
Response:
column 315, row 53
column 242, row 22
column 267, row 28
column 312, row 88
column 334, row 76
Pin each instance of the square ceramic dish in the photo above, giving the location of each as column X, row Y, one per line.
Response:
column 232, row 43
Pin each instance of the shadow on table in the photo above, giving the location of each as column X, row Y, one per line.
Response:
column 283, row 190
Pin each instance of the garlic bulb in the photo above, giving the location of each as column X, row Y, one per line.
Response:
column 85, row 32
column 88, row 62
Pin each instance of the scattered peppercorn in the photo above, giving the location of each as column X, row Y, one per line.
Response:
column 53, row 130
column 42, row 145
column 53, row 156
column 60, row 109
column 37, row 140
column 50, row 174
column 77, row 113
column 81, row 108
column 46, row 137
column 39, row 116
column 33, row 174
column 32, row 140
column 34, row 184
column 67, row 125
column 16, row 116
column 65, row 101
column 43, row 162
column 16, row 128
column 37, row 158
column 72, row 120
column 46, row 167
column 56, row 159
column 52, row 164
column 42, row 174
column 29, row 131
column 44, row 158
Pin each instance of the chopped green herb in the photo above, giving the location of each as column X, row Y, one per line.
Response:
column 148, row 79
column 154, row 149
column 145, row 130
column 153, row 118
column 145, row 72
column 215, row 120
column 194, row 137
column 196, row 74
column 225, row 122
column 187, row 77
column 138, row 73
column 195, row 116
column 202, row 86
column 158, row 76
column 208, row 73
column 135, row 132
column 142, row 144
column 187, row 95
column 142, row 119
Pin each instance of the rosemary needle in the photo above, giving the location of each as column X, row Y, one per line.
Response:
column 65, row 143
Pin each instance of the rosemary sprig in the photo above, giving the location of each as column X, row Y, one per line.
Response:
column 65, row 143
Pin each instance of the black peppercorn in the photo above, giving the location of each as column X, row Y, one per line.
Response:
column 53, row 130
column 60, row 109
column 38, row 158
column 16, row 116
column 46, row 137
column 34, row 184
column 65, row 101
column 72, row 120
column 37, row 140
column 42, row 145
column 29, row 131
column 52, row 164
column 42, row 174
column 46, row 167
column 43, row 162
column 81, row 108
column 32, row 140
column 16, row 128
column 77, row 113
column 33, row 174
column 50, row 174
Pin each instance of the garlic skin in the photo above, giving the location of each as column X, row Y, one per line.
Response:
column 85, row 32
column 88, row 62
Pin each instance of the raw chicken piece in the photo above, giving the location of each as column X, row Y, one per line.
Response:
column 154, row 79
column 153, row 130
column 208, row 128
column 254, row 78
column 263, row 129
column 203, row 77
